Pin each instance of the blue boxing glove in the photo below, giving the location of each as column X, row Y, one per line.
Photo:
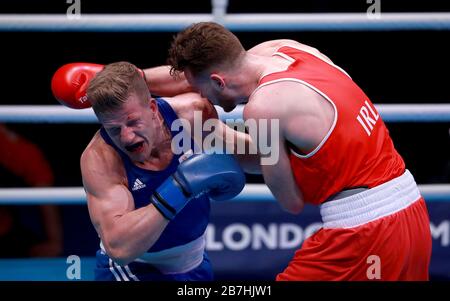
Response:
column 218, row 176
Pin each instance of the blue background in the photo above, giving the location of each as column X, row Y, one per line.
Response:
column 248, row 261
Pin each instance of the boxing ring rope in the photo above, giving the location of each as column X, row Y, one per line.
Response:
column 61, row 114
column 235, row 22
column 251, row 192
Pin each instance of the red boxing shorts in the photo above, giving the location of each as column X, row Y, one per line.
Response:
column 379, row 234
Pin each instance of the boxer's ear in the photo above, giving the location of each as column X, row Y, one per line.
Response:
column 218, row 82
column 152, row 104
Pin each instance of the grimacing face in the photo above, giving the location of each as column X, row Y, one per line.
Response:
column 132, row 128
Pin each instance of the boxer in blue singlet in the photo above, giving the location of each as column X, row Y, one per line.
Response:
column 149, row 206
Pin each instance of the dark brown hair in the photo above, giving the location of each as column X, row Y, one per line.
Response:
column 111, row 87
column 201, row 46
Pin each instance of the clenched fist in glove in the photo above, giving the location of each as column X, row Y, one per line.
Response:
column 71, row 81
column 216, row 175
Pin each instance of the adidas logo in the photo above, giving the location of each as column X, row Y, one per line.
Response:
column 138, row 185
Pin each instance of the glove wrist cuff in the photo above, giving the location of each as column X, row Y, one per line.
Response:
column 169, row 198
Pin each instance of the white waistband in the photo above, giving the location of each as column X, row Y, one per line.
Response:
column 176, row 260
column 372, row 204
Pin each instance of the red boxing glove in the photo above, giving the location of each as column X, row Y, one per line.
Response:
column 70, row 82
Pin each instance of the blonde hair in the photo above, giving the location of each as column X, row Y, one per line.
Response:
column 111, row 87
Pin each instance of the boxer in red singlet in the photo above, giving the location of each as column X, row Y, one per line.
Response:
column 334, row 151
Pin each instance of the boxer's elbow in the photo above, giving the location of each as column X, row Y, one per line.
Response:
column 293, row 201
column 120, row 256
column 293, row 206
column 118, row 251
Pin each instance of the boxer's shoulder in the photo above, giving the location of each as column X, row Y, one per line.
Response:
column 280, row 99
column 100, row 157
column 269, row 47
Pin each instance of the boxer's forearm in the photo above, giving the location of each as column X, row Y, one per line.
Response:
column 242, row 147
column 161, row 83
column 247, row 156
column 281, row 182
column 133, row 234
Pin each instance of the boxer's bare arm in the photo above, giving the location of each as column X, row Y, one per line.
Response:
column 278, row 174
column 304, row 117
column 161, row 83
column 186, row 104
column 280, row 180
column 126, row 232
column 268, row 48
